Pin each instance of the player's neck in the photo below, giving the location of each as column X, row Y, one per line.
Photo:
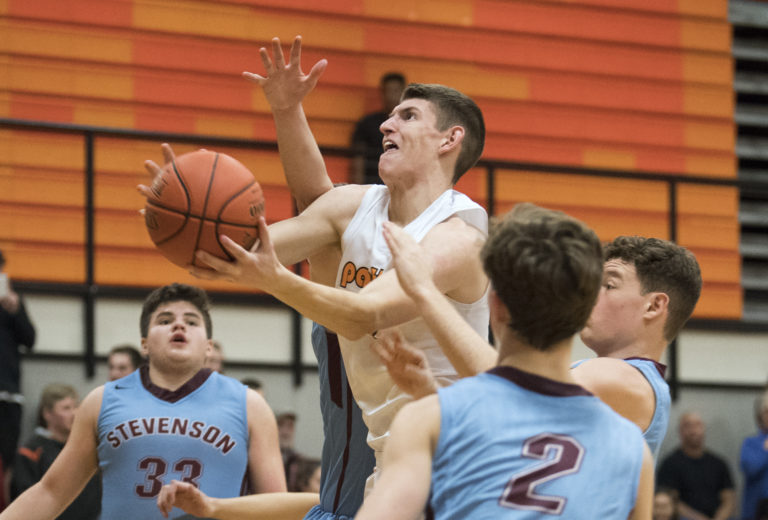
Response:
column 642, row 348
column 408, row 201
column 171, row 380
column 553, row 363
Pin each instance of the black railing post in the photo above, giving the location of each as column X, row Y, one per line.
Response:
column 89, row 329
column 491, row 189
column 673, row 378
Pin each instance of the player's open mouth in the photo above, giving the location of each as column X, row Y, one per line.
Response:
column 389, row 145
column 179, row 339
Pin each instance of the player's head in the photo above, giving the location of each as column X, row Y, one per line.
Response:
column 122, row 360
column 391, row 86
column 452, row 108
column 2, row 260
column 56, row 412
column 176, row 292
column 650, row 288
column 176, row 328
column 545, row 267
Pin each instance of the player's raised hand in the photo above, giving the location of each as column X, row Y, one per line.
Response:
column 185, row 496
column 259, row 267
column 285, row 85
column 414, row 274
column 153, row 169
column 407, row 366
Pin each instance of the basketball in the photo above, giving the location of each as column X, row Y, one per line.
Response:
column 197, row 198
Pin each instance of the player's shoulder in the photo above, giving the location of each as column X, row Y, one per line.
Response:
column 458, row 230
column 602, row 374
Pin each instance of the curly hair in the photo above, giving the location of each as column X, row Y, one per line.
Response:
column 546, row 267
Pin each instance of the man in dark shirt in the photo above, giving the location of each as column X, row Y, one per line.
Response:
column 56, row 415
column 15, row 331
column 367, row 138
column 701, row 478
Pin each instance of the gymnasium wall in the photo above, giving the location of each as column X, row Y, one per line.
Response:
column 623, row 84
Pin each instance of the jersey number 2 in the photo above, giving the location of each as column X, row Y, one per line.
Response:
column 190, row 470
column 563, row 455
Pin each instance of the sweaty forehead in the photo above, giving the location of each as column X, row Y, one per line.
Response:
column 618, row 268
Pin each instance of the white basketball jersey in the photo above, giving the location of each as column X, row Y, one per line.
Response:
column 365, row 256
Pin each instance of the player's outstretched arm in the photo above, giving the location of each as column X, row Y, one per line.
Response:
column 644, row 503
column 452, row 248
column 405, row 480
column 268, row 506
column 285, row 86
column 465, row 349
column 264, row 460
column 68, row 474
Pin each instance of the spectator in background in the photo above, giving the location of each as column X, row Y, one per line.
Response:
column 754, row 463
column 56, row 414
column 215, row 358
column 367, row 138
column 286, row 431
column 701, row 479
column 123, row 359
column 309, row 476
column 16, row 330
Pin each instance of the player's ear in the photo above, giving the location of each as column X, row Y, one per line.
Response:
column 499, row 312
column 452, row 139
column 144, row 348
column 656, row 305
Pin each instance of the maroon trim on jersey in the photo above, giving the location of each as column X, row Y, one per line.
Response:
column 659, row 366
column 172, row 396
column 538, row 384
column 334, row 367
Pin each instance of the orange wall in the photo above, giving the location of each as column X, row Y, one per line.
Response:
column 632, row 84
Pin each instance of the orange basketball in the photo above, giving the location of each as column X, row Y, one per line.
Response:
column 199, row 197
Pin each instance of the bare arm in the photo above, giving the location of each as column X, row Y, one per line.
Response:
column 469, row 353
column 407, row 473
column 452, row 248
column 68, row 474
column 264, row 461
column 643, row 509
column 619, row 385
column 727, row 500
column 267, row 506
column 285, row 86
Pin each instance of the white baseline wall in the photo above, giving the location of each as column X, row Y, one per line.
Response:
column 258, row 334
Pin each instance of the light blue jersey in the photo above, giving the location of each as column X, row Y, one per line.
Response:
column 519, row 446
column 347, row 459
column 148, row 436
column 654, row 373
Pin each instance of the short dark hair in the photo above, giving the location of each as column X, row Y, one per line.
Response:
column 129, row 350
column 392, row 76
column 252, row 383
column 546, row 267
column 2, row 259
column 454, row 108
column 176, row 292
column 662, row 266
column 52, row 394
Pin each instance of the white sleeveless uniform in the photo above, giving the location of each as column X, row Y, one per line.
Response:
column 365, row 256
